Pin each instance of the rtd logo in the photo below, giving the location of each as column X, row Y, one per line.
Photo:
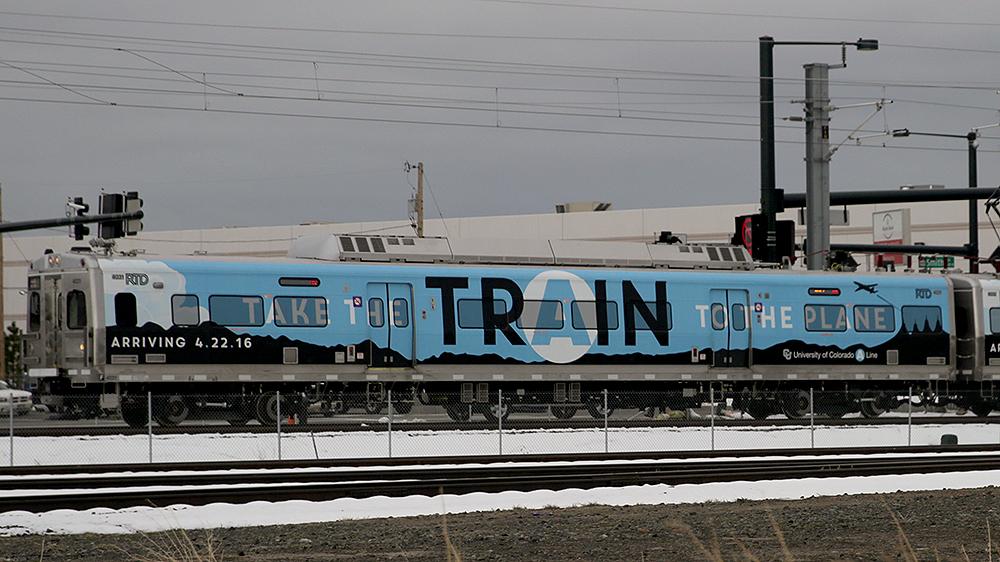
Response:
column 137, row 279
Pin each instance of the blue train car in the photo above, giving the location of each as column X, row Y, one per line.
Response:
column 555, row 324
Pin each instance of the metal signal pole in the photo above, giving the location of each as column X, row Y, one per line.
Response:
column 818, row 165
column 3, row 322
column 420, row 200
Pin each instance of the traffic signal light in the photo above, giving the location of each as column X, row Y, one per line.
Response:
column 132, row 205
column 751, row 234
column 76, row 207
column 112, row 203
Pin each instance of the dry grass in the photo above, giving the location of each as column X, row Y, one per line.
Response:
column 905, row 550
column 175, row 545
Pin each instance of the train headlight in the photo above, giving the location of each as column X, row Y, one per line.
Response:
column 54, row 260
column 81, row 347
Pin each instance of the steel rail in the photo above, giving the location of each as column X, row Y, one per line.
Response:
column 361, row 462
column 237, row 488
column 510, row 423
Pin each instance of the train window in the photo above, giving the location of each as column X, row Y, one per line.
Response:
column 718, row 316
column 585, row 315
column 541, row 315
column 236, row 310
column 376, row 313
column 362, row 244
column 184, row 310
column 76, row 310
column 304, row 312
column 922, row 319
column 470, row 312
column 640, row 323
column 125, row 313
column 34, row 312
column 874, row 319
column 400, row 313
column 995, row 320
column 377, row 245
column 826, row 318
column 346, row 244
column 739, row 317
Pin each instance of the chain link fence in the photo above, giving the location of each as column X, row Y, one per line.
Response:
column 149, row 427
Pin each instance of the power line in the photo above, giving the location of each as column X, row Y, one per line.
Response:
column 582, row 38
column 550, row 3
column 566, row 130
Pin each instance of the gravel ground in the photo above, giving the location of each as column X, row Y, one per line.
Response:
column 938, row 526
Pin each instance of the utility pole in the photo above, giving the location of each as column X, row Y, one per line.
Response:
column 817, row 165
column 420, row 200
column 3, row 321
column 973, row 137
column 770, row 198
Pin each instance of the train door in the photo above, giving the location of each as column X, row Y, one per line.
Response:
column 729, row 319
column 390, row 324
column 52, row 308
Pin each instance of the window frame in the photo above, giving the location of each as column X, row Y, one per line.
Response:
column 574, row 309
column 805, row 324
column 173, row 309
column 34, row 316
column 211, row 316
column 381, row 312
column 134, row 312
column 711, row 316
column 992, row 329
column 69, row 301
column 742, row 316
column 892, row 317
column 405, row 313
column 326, row 307
column 562, row 315
column 940, row 315
column 637, row 318
column 458, row 310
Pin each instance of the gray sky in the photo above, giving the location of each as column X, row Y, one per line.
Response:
column 226, row 166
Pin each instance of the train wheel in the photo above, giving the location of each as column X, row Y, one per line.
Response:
column 458, row 412
column 171, row 411
column 494, row 412
column 871, row 405
column 758, row 408
column 596, row 408
column 266, row 409
column 795, row 405
column 374, row 407
column 563, row 412
column 134, row 411
column 981, row 408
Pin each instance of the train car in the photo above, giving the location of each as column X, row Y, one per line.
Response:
column 455, row 322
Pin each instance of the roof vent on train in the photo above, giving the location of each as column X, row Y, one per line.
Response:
column 387, row 248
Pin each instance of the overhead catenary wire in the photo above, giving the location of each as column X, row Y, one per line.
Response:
column 400, row 121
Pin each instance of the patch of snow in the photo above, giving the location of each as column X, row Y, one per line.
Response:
column 404, row 443
column 150, row 519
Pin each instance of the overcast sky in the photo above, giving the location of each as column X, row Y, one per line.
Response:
column 277, row 155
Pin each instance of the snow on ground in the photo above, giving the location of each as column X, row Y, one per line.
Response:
column 354, row 444
column 149, row 519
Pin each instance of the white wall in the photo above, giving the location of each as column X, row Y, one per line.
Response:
column 932, row 223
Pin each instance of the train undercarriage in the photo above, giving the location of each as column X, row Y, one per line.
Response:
column 240, row 404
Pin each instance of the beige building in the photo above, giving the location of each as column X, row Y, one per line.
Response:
column 930, row 223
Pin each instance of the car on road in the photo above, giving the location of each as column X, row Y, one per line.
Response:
column 19, row 400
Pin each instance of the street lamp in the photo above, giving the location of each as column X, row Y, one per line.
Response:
column 971, row 137
column 770, row 197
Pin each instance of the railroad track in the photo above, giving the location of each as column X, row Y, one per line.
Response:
column 211, row 483
column 510, row 424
